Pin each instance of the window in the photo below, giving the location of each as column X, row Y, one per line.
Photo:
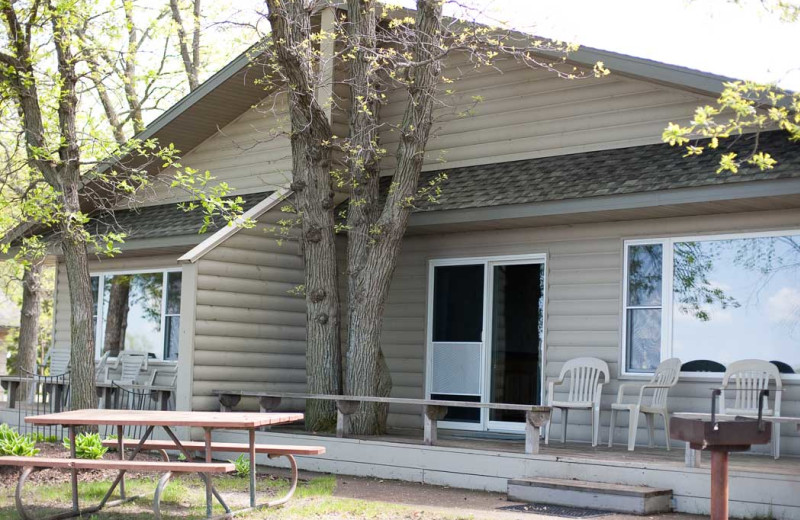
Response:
column 712, row 298
column 138, row 311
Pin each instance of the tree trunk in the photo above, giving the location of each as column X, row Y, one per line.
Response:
column 117, row 315
column 311, row 182
column 82, row 378
column 29, row 322
column 371, row 272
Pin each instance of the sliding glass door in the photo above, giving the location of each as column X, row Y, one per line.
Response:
column 486, row 325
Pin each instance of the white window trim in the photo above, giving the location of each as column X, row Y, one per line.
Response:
column 667, row 298
column 100, row 328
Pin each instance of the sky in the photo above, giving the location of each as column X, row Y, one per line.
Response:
column 735, row 39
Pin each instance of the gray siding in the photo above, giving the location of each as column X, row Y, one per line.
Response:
column 525, row 113
column 252, row 153
column 583, row 308
column 250, row 327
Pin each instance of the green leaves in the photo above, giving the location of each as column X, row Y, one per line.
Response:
column 87, row 446
column 742, row 106
column 13, row 443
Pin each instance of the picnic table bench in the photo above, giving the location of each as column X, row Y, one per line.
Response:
column 434, row 410
column 166, row 420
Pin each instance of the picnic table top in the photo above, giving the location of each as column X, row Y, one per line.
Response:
column 164, row 418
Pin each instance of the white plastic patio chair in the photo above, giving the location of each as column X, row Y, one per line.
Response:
column 749, row 377
column 132, row 365
column 585, row 391
column 666, row 376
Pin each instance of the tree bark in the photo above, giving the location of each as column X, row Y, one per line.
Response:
column 117, row 315
column 29, row 322
column 191, row 60
column 311, row 182
column 372, row 269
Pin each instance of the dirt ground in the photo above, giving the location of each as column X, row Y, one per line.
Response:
column 344, row 498
column 457, row 502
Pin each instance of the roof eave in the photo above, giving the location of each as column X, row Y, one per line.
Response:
column 223, row 234
column 641, row 200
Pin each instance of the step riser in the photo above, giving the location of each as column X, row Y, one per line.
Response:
column 590, row 499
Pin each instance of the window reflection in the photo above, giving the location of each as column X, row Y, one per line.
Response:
column 737, row 299
column 136, row 313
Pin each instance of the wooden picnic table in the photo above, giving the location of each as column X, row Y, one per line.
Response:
column 150, row 419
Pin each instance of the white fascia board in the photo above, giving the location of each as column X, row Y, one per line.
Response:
column 197, row 252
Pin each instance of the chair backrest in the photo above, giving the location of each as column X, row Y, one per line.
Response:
column 749, row 377
column 584, row 377
column 132, row 363
column 59, row 361
column 667, row 373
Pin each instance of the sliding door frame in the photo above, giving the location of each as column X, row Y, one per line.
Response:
column 488, row 263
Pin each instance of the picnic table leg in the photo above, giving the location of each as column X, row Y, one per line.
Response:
column 121, row 449
column 188, row 455
column 207, row 437
column 252, row 435
column 72, row 454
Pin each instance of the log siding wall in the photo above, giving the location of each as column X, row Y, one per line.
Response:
column 250, row 320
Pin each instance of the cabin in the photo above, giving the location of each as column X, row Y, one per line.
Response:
column 565, row 229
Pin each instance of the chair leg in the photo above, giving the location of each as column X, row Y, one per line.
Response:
column 611, row 428
column 595, row 426
column 651, row 435
column 633, row 426
column 564, row 416
column 776, row 440
column 665, row 415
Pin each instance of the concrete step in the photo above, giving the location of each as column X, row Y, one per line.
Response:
column 591, row 495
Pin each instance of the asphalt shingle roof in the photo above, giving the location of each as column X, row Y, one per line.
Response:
column 609, row 172
column 165, row 220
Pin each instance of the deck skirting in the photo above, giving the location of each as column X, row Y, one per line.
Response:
column 754, row 492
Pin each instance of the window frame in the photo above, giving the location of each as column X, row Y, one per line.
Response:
column 667, row 302
column 99, row 330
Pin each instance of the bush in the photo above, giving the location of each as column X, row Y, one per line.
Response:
column 12, row 443
column 88, row 446
column 242, row 464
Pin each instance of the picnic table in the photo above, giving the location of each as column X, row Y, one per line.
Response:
column 165, row 420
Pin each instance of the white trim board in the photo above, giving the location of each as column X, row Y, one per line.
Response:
column 201, row 249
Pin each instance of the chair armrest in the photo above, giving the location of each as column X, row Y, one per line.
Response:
column 647, row 386
column 621, row 391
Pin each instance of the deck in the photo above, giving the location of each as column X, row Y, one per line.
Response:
column 760, row 485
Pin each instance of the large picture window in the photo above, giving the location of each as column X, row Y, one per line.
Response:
column 716, row 299
column 137, row 311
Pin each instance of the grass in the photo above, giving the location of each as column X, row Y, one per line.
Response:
column 185, row 495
